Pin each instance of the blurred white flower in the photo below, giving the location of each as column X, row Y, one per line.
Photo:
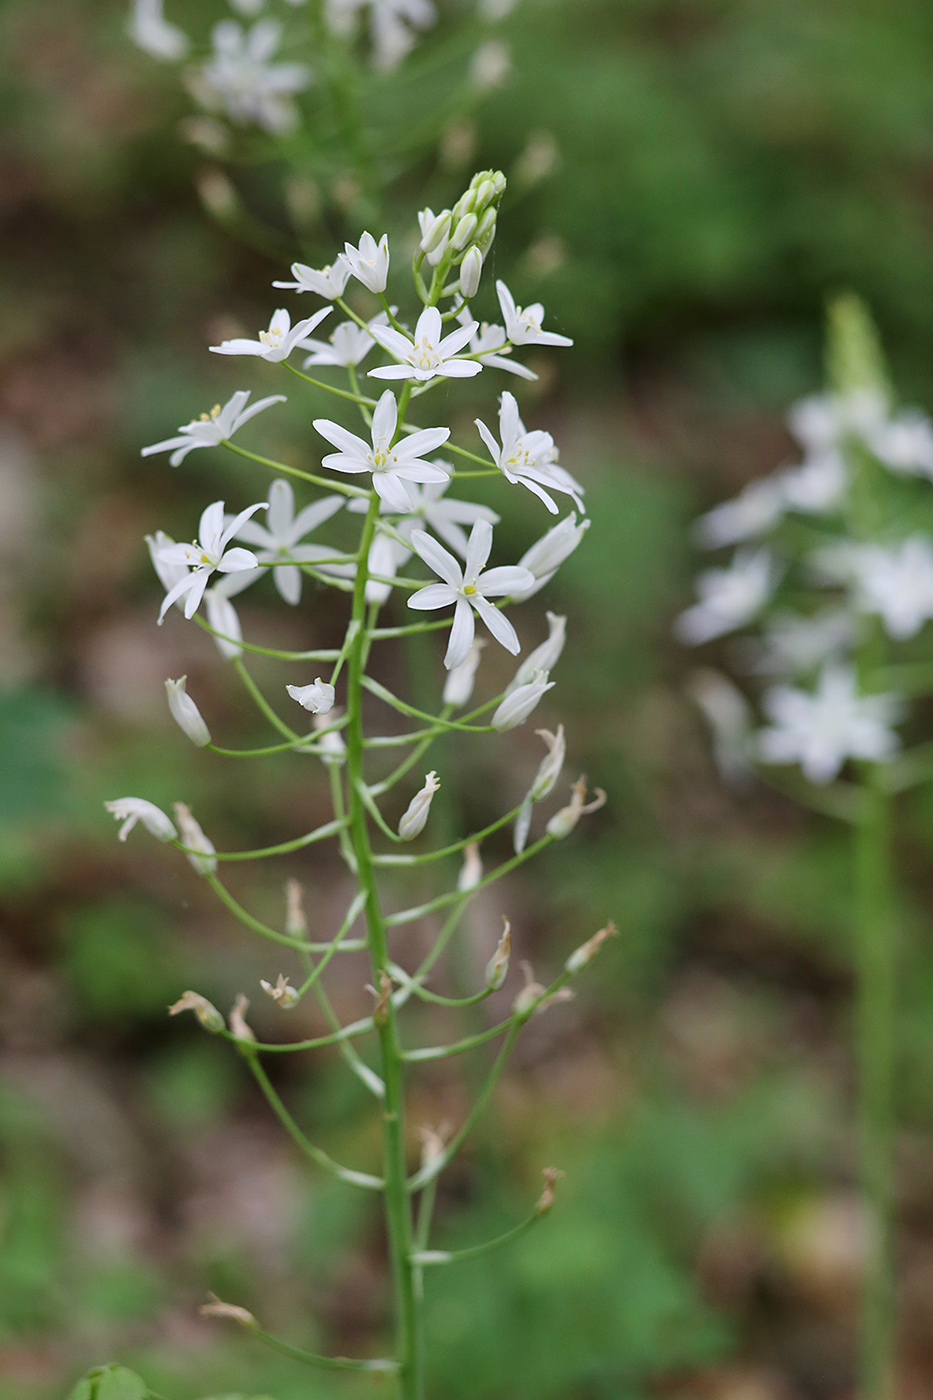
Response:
column 729, row 716
column 279, row 538
column 820, row 730
column 240, row 79
column 729, row 598
column 222, row 617
column 904, row 443
column 817, row 485
column 490, row 65
column 349, row 344
column 756, row 509
column 394, row 25
column 212, row 428
column 896, row 583
column 793, row 646
column 150, row 30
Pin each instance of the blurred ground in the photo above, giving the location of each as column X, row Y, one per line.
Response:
column 723, row 166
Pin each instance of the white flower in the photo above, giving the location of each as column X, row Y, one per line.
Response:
column 817, row 485
column 543, row 658
column 729, row 598
column 904, row 443
column 210, row 554
column 222, row 617
column 185, row 712
column 792, row 646
column 528, row 458
column 201, row 853
column 279, row 537
column 330, row 746
column 278, row 342
column 391, row 466
column 753, row 512
column 328, row 282
column 490, row 346
column 248, row 7
column 318, row 697
column 169, row 574
column 416, row 813
column 821, row 730
column 130, row 810
column 427, row 353
column 550, row 766
column 458, row 686
column 239, row 78
column 349, row 344
column 896, row 583
column 369, row 263
column 393, row 25
column 729, row 716
column 523, row 326
column 468, row 588
column 150, row 30
column 546, row 555
column 822, row 421
column 490, row 65
column 519, row 703
column 213, row 428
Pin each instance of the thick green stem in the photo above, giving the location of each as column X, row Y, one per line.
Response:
column 397, row 1202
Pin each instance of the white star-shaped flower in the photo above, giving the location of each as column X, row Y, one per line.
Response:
column 896, row 583
column 349, row 344
column 754, row 511
column 523, row 325
column 209, row 554
column 469, row 588
column 369, row 262
column 489, row 344
column 729, row 598
column 818, row 484
column 279, row 538
column 821, row 730
column 904, row 443
column 328, row 282
column 278, row 342
column 212, row 428
column 428, row 352
column 391, row 466
column 529, row 459
column 150, row 30
column 239, row 77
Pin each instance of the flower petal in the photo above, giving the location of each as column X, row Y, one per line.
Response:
column 461, row 635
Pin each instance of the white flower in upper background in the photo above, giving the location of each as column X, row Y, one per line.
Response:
column 543, row 658
column 150, row 30
column 821, row 730
column 546, row 555
column 490, row 65
column 529, row 459
column 185, row 712
column 391, row 466
column 130, row 810
column 317, row 697
column 489, row 344
column 326, row 282
column 729, row 598
column 458, row 686
column 201, row 853
column 818, row 484
column 755, row 510
column 349, row 344
column 239, row 78
column 209, row 554
column 821, row 421
column 904, row 443
column 213, row 428
column 393, row 25
column 792, row 646
column 468, row 588
column 279, row 538
column 523, row 326
column 369, row 262
column 896, row 583
column 248, row 7
column 278, row 342
column 428, row 352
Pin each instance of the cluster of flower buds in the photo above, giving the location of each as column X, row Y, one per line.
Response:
column 462, row 236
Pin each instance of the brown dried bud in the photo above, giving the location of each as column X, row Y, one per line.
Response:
column 283, row 992
column 381, row 1009
column 551, row 1176
column 238, row 1027
column 587, row 951
column 215, row 1308
column 205, row 1011
column 497, row 968
column 296, row 925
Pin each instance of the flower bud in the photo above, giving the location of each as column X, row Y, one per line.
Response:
column 205, row 1011
column 471, row 270
column 185, row 712
column 489, row 69
column 434, row 229
column 238, row 1027
column 530, row 997
column 215, row 1308
column 497, row 969
column 416, row 814
column 522, row 826
column 283, row 993
column 458, row 686
column 463, row 232
column 433, row 1140
column 485, row 232
column 516, row 708
column 543, row 658
column 564, row 821
column 587, row 951
column 202, row 853
column 330, row 746
column 296, row 925
column 471, row 871
column 551, row 1176
column 550, row 766
column 547, row 554
column 222, row 616
column 317, row 697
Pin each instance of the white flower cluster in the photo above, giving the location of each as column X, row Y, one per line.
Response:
column 823, row 565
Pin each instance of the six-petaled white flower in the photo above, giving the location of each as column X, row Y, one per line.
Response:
column 428, row 352
column 349, row 344
column 369, row 261
column 489, row 344
column 150, row 30
column 213, row 428
column 547, row 554
column 208, row 554
column 523, row 324
column 820, row 730
column 756, row 509
column 278, row 342
column 328, row 282
column 393, row 25
column 529, row 459
column 279, row 538
column 729, row 598
column 469, row 588
column 240, row 79
column 391, row 465
column 896, row 583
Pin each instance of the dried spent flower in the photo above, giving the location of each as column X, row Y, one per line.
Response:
column 282, row 992
column 215, row 1308
column 551, row 1177
column 564, row 821
column 205, row 1010
column 238, row 1027
column 497, row 969
column 587, row 951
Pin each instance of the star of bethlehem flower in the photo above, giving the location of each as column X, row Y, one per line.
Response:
column 520, row 702
column 729, row 598
column 150, row 31
column 523, row 325
column 392, row 466
column 279, row 538
column 489, row 345
column 328, row 282
column 278, row 342
column 794, row 646
column 428, row 352
column 213, row 428
column 208, row 554
column 822, row 421
column 468, row 589
column 547, row 554
column 130, row 810
column 240, row 79
column 369, row 261
column 318, row 698
column 820, row 730
column 904, row 443
column 416, row 814
column 754, row 511
column 896, row 583
column 394, row 25
column 349, row 344
column 528, row 459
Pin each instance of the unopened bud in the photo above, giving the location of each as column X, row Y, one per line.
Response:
column 201, row 853
column 471, row 270
column 532, row 996
column 588, row 950
column 522, row 825
column 564, row 821
column 215, row 1308
column 517, row 706
column 185, row 712
column 497, row 969
column 296, row 925
column 550, row 766
column 381, row 1009
column 238, row 1027
column 544, row 657
column 283, row 993
column 547, row 554
column 471, row 871
column 433, row 1140
column 205, row 1010
column 485, row 232
column 416, row 814
column 330, row 745
column 434, row 228
column 463, row 232
column 222, row 616
column 551, row 1176
column 317, row 697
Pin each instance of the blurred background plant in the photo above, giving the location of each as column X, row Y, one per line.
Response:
column 699, row 176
